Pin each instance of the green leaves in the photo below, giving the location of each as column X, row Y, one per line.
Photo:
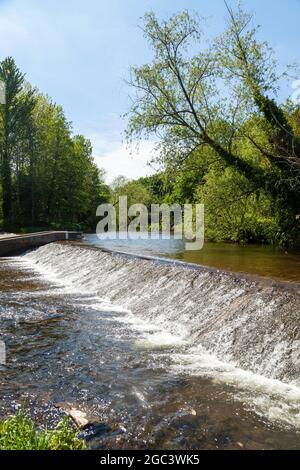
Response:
column 195, row 95
column 48, row 176
column 13, row 79
column 20, row 433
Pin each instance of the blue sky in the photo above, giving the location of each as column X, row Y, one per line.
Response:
column 79, row 53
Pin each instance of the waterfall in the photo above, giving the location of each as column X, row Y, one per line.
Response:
column 249, row 323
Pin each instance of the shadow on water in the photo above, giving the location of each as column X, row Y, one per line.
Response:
column 62, row 348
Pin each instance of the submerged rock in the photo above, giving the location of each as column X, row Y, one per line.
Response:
column 79, row 418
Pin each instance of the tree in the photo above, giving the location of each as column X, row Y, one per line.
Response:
column 199, row 101
column 48, row 175
column 235, row 210
column 252, row 64
column 11, row 117
column 177, row 95
column 135, row 190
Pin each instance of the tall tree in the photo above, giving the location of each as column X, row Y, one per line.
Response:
column 10, row 119
column 48, row 176
column 197, row 100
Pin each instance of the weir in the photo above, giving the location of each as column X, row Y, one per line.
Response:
column 250, row 323
column 19, row 243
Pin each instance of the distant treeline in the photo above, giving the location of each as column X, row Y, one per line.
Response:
column 48, row 176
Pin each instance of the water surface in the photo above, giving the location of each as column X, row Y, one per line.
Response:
column 144, row 386
column 262, row 260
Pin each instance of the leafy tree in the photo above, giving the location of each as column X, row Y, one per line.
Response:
column 136, row 191
column 195, row 101
column 235, row 210
column 48, row 176
column 12, row 115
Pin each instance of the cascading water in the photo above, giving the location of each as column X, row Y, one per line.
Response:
column 253, row 325
column 167, row 354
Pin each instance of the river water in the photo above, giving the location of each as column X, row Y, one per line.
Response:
column 253, row 259
column 78, row 332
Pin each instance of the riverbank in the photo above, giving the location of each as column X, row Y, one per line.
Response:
column 20, row 432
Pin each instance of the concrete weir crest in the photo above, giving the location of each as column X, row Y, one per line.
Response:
column 19, row 243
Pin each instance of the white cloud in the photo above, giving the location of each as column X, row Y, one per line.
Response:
column 116, row 159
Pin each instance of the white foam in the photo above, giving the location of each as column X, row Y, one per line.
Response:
column 169, row 305
column 161, row 340
column 271, row 398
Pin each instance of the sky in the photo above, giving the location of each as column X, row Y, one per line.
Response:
column 79, row 53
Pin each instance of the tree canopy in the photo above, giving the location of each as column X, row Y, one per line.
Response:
column 48, row 176
column 219, row 98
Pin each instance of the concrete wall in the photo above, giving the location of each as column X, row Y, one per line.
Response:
column 19, row 243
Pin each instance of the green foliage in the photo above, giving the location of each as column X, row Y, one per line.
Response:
column 48, row 176
column 136, row 192
column 216, row 100
column 20, row 433
column 156, row 186
column 234, row 210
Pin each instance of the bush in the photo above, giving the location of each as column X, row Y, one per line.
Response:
column 20, row 433
column 234, row 210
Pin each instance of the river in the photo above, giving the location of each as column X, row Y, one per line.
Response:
column 262, row 260
column 160, row 356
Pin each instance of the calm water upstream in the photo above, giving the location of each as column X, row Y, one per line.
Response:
column 253, row 259
column 144, row 385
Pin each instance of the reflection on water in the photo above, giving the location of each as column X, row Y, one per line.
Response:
column 70, row 347
column 254, row 259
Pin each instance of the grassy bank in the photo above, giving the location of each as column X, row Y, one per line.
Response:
column 21, row 433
